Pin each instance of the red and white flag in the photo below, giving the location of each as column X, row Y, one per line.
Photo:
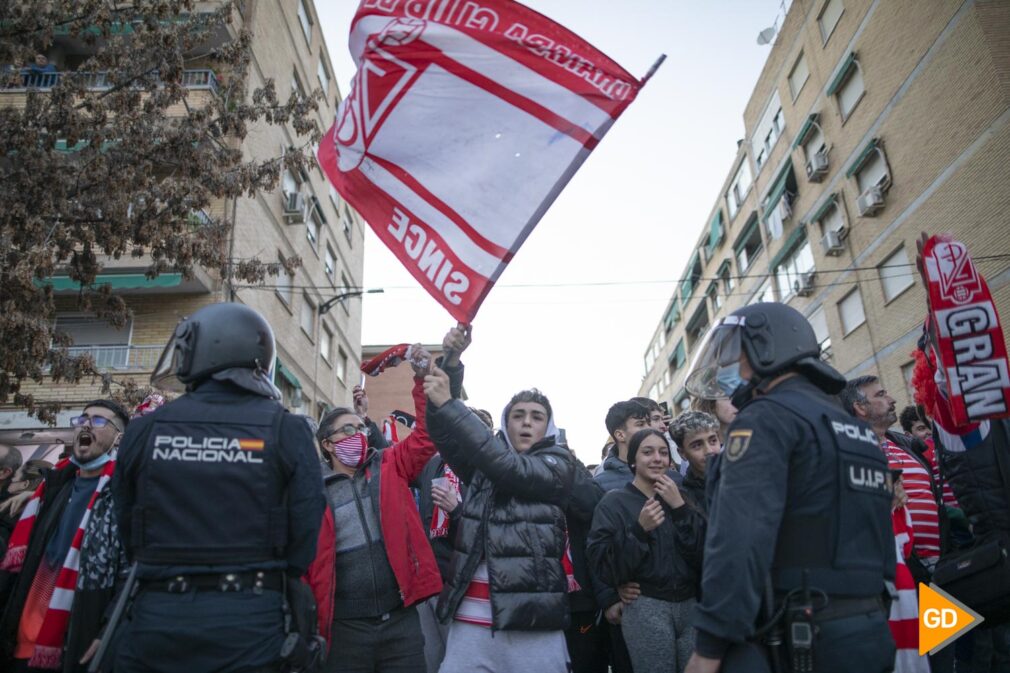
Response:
column 464, row 122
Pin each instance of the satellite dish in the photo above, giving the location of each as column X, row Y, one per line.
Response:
column 766, row 35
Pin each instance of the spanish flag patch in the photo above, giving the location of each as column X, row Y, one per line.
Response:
column 251, row 444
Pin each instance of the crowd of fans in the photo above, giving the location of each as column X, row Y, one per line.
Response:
column 464, row 548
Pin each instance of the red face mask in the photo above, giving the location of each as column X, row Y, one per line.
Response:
column 351, row 450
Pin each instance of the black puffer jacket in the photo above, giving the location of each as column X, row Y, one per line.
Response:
column 586, row 494
column 513, row 516
column 976, row 479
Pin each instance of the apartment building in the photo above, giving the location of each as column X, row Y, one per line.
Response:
column 871, row 121
column 318, row 344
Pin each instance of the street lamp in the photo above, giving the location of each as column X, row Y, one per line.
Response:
column 325, row 307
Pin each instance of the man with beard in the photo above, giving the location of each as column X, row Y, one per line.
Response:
column 10, row 461
column 42, row 628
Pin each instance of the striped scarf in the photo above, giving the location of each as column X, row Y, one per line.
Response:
column 49, row 644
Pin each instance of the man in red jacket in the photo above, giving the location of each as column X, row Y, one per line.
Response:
column 373, row 562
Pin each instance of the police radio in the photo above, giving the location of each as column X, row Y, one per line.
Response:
column 800, row 630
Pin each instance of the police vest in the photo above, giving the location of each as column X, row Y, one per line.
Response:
column 849, row 550
column 208, row 490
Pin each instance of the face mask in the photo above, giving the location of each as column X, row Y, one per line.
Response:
column 351, row 450
column 92, row 464
column 729, row 379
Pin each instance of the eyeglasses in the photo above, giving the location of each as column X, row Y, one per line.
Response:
column 94, row 421
column 350, row 429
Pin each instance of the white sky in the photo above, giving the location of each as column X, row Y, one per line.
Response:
column 632, row 213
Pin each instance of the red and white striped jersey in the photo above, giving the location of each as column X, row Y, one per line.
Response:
column 921, row 504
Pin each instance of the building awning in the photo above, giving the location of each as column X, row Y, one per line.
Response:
column 687, row 286
column 117, row 281
column 285, row 373
column 809, row 124
column 842, row 74
column 828, row 202
column 798, row 236
column 863, row 157
column 716, row 232
column 778, row 188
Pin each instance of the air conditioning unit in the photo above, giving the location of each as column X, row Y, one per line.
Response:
column 832, row 243
column 804, row 286
column 871, row 201
column 295, row 208
column 817, row 167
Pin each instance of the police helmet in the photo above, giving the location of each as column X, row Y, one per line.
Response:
column 774, row 337
column 220, row 336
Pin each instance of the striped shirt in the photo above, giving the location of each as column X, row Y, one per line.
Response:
column 921, row 504
column 475, row 608
column 904, row 617
column 948, row 492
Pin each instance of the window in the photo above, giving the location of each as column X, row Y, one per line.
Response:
column 324, row 77
column 672, row 317
column 284, row 284
column 305, row 19
column 694, row 272
column 679, row 356
column 768, row 130
column 312, row 228
column 764, row 293
column 330, row 265
column 326, row 344
column 716, row 233
column 829, row 219
column 778, row 204
column 847, row 86
column 850, row 311
column 341, row 364
column 896, row 274
column 308, row 316
column 829, row 17
column 814, row 143
column 346, row 284
column 798, row 76
column 334, row 197
column 749, row 245
column 667, row 379
column 792, row 273
column 107, row 345
column 288, row 182
column 697, row 325
column 739, row 188
column 715, row 297
column 296, row 86
column 819, row 321
column 347, row 221
column 873, row 172
column 726, row 277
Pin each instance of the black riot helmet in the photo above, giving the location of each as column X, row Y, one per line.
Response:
column 775, row 338
column 217, row 337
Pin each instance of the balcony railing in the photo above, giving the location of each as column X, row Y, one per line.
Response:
column 122, row 358
column 200, row 79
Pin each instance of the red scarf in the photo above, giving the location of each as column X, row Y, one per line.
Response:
column 965, row 335
column 49, row 644
column 391, row 357
column 440, row 518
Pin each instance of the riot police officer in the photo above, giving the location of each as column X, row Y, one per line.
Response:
column 799, row 543
column 218, row 500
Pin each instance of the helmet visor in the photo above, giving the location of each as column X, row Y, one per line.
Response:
column 715, row 372
column 164, row 375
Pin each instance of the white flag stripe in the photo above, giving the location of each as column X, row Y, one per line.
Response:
column 498, row 67
column 466, row 250
column 62, row 599
column 521, row 156
column 906, row 607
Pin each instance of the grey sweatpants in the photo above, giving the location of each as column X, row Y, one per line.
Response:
column 435, row 634
column 659, row 634
column 475, row 649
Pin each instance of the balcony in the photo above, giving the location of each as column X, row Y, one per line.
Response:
column 120, row 358
column 202, row 79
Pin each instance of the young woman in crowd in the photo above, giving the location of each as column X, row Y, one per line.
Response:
column 646, row 533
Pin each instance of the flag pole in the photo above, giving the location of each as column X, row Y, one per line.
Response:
column 653, row 69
